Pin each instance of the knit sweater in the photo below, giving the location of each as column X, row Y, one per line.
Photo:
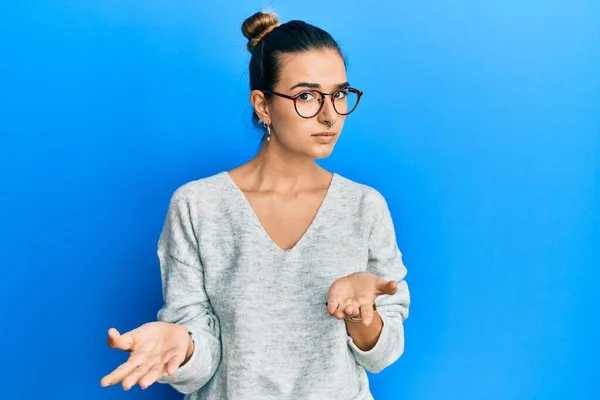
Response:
column 257, row 312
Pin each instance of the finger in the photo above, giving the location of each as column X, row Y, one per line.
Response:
column 341, row 311
column 118, row 374
column 133, row 378
column 174, row 363
column 381, row 286
column 366, row 312
column 122, row 371
column 155, row 373
column 351, row 309
column 386, row 287
column 118, row 341
column 332, row 306
column 392, row 287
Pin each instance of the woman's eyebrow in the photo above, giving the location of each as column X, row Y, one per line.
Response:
column 307, row 85
column 317, row 86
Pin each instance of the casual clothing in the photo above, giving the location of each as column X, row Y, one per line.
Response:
column 257, row 313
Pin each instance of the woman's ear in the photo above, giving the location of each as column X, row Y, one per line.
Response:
column 261, row 106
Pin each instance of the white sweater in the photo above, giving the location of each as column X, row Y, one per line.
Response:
column 257, row 313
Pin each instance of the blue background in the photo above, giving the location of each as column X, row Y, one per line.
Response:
column 480, row 124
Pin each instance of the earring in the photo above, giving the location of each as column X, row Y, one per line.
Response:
column 268, row 130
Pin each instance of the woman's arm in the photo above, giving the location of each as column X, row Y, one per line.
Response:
column 382, row 343
column 185, row 300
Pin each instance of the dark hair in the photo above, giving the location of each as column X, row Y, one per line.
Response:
column 268, row 40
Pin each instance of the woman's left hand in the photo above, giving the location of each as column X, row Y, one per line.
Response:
column 355, row 294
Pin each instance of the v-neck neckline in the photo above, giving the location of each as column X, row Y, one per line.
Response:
column 249, row 210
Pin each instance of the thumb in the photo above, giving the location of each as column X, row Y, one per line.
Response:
column 120, row 342
column 386, row 287
column 392, row 286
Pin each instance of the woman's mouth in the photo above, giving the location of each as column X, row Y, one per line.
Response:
column 324, row 134
column 324, row 137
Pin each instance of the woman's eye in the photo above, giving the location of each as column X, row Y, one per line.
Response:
column 341, row 94
column 306, row 96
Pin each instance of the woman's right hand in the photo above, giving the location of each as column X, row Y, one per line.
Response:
column 154, row 348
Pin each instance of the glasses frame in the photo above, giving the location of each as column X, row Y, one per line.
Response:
column 323, row 96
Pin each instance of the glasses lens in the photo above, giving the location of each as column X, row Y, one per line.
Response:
column 308, row 104
column 345, row 101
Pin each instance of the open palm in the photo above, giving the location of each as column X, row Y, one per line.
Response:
column 154, row 348
column 355, row 294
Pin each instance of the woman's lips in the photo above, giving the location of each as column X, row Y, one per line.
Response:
column 325, row 134
column 324, row 137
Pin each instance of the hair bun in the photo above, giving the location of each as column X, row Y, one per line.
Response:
column 256, row 27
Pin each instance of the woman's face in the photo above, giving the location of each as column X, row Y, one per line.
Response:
column 315, row 137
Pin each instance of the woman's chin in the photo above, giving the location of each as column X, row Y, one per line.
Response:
column 321, row 151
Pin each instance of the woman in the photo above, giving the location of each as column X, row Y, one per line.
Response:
column 280, row 279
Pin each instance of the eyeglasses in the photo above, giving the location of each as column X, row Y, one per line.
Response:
column 310, row 103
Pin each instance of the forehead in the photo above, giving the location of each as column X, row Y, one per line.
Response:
column 325, row 67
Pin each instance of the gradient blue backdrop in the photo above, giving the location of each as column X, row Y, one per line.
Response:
column 480, row 124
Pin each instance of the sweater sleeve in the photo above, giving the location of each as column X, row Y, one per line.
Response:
column 385, row 261
column 185, row 299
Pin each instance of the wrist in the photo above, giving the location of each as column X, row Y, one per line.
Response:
column 190, row 346
column 365, row 337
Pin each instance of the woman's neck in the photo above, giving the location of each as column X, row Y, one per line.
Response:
column 277, row 169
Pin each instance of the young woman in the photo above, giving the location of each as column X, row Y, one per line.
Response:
column 281, row 280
